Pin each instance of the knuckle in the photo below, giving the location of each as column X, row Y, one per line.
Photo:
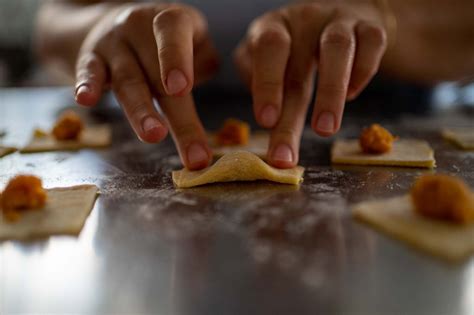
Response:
column 168, row 50
column 331, row 89
column 134, row 15
column 186, row 132
column 272, row 37
column 131, row 16
column 340, row 12
column 89, row 68
column 287, row 132
column 88, row 61
column 136, row 111
column 338, row 36
column 268, row 85
column 376, row 34
column 84, row 75
column 170, row 16
column 124, row 81
column 294, row 85
column 305, row 11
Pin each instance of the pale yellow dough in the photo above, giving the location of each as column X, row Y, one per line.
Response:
column 237, row 166
column 258, row 145
column 395, row 216
column 65, row 212
column 405, row 152
column 6, row 150
column 462, row 137
column 91, row 137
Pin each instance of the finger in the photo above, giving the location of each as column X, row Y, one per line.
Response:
column 130, row 87
column 285, row 138
column 299, row 79
column 336, row 56
column 144, row 45
column 187, row 130
column 243, row 62
column 206, row 61
column 91, row 75
column 175, row 37
column 270, row 49
column 371, row 45
column 205, row 64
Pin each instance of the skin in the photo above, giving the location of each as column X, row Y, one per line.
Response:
column 344, row 42
column 281, row 55
column 106, row 53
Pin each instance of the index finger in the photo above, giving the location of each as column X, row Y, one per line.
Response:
column 175, row 37
column 336, row 56
column 187, row 130
column 270, row 41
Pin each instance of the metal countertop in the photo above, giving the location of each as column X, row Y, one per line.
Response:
column 245, row 248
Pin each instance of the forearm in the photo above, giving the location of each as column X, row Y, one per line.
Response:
column 62, row 27
column 433, row 41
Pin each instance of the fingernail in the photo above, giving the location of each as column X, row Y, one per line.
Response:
column 283, row 153
column 326, row 122
column 197, row 154
column 150, row 124
column 83, row 89
column 176, row 82
column 268, row 116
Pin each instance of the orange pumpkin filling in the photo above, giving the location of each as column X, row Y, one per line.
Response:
column 233, row 132
column 443, row 197
column 22, row 192
column 376, row 139
column 68, row 126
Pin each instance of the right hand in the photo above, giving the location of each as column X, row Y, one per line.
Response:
column 146, row 51
column 343, row 41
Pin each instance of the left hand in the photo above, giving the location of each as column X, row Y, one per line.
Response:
column 283, row 49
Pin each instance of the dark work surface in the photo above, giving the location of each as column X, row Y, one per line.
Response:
column 244, row 248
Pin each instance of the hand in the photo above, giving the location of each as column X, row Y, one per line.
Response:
column 151, row 50
column 283, row 49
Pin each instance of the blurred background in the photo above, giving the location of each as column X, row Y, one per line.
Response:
column 17, row 60
column 19, row 68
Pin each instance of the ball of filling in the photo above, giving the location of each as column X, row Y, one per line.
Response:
column 233, row 132
column 376, row 139
column 68, row 126
column 21, row 193
column 443, row 197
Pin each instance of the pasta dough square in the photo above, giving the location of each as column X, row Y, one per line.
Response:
column 237, row 166
column 6, row 150
column 405, row 152
column 395, row 216
column 258, row 145
column 462, row 137
column 91, row 137
column 65, row 212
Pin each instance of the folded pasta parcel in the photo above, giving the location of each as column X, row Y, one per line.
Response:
column 237, row 167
